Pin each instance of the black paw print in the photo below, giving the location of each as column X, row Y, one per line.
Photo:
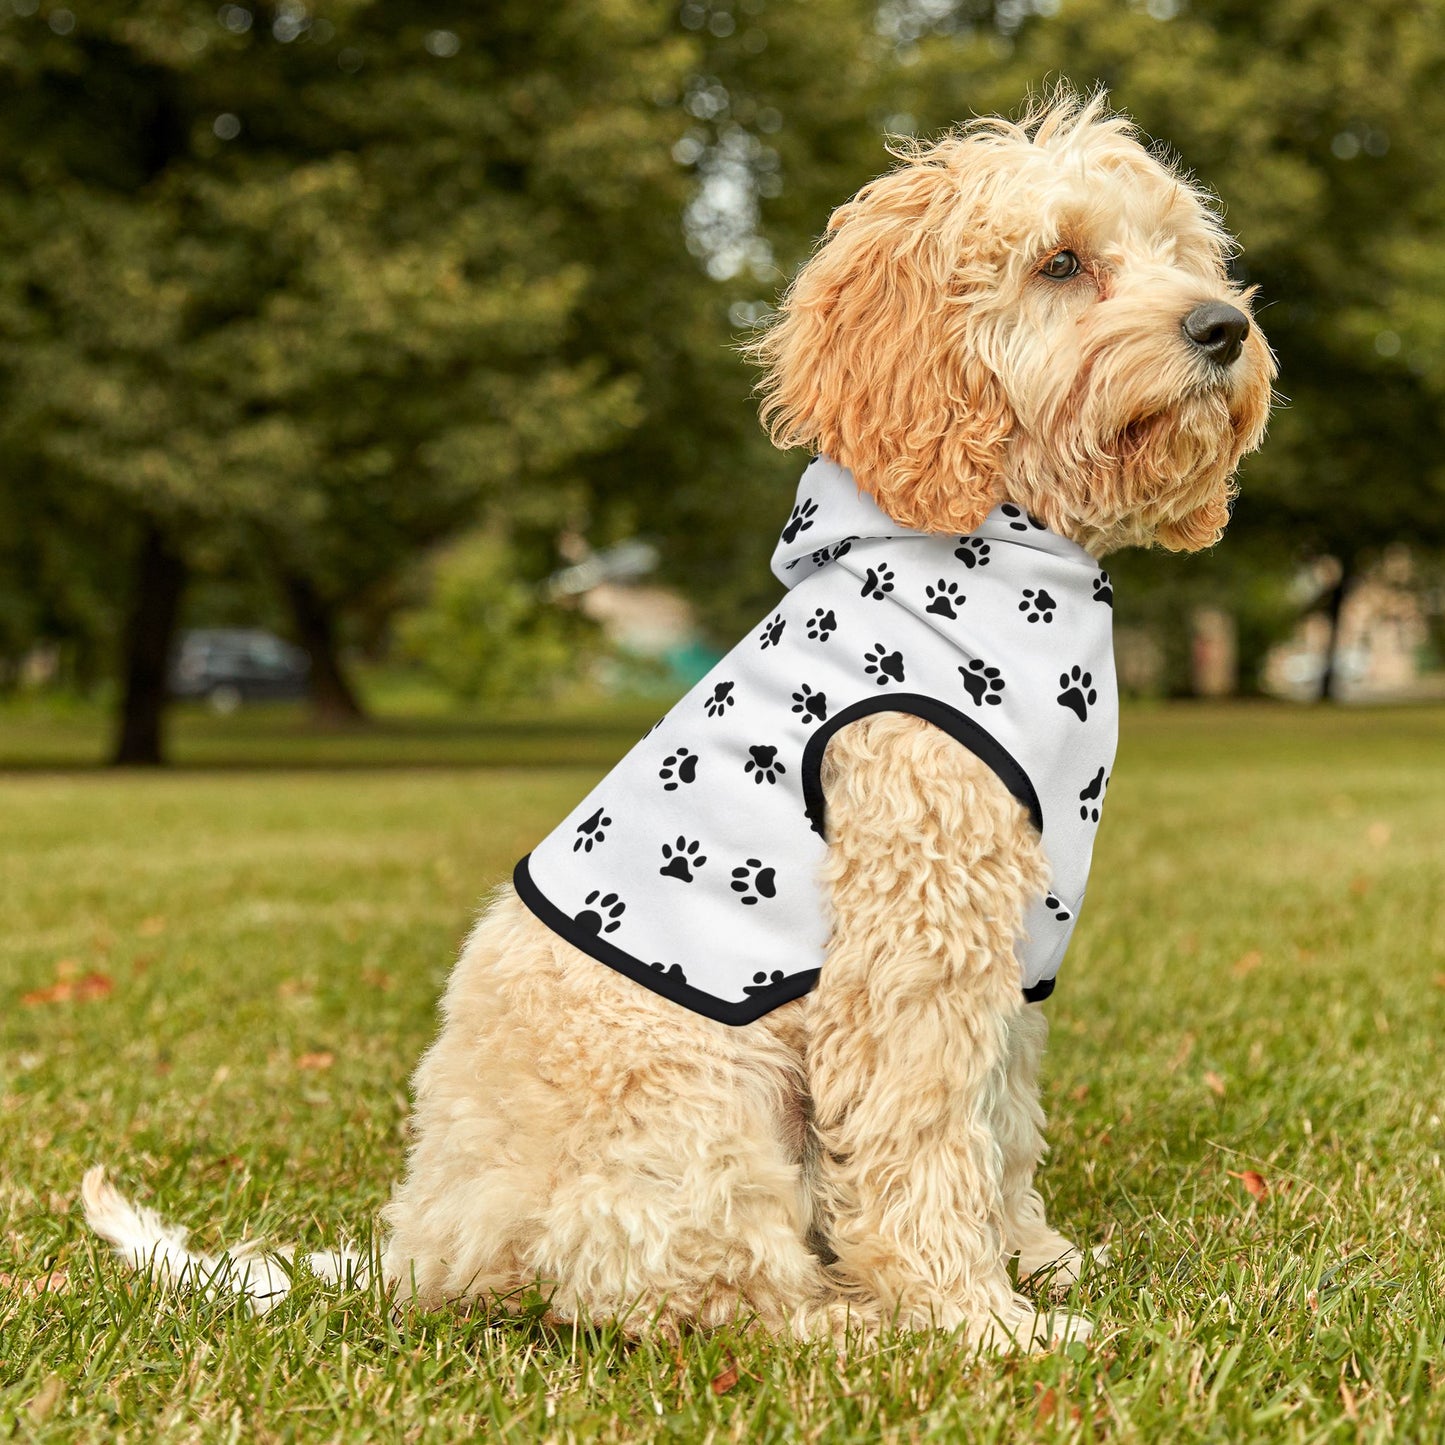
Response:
column 821, row 557
column 754, row 881
column 812, row 705
column 1020, row 520
column 763, row 764
column 721, row 700
column 883, row 666
column 762, row 982
column 1104, row 589
column 984, row 684
column 1078, row 693
column 678, row 860
column 843, row 547
column 878, row 583
column 605, row 917
column 678, row 768
column 1061, row 914
column 1092, row 796
column 672, row 971
column 801, row 519
column 942, row 595
column 773, row 632
column 822, row 625
column 971, row 552
column 592, row 832
column 1039, row 605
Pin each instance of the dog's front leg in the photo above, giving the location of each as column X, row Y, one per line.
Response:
column 1042, row 1251
column 931, row 862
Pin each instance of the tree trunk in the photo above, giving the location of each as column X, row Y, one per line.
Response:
column 160, row 578
column 1334, row 608
column 333, row 700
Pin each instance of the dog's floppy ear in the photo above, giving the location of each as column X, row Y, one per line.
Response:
column 872, row 361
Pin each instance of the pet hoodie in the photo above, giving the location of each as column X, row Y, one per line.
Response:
column 693, row 867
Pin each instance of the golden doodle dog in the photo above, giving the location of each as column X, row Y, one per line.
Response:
column 1023, row 339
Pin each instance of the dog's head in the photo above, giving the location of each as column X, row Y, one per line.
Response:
column 1036, row 312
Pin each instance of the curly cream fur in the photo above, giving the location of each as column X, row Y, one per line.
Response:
column 577, row 1133
column 834, row 1167
column 866, row 1154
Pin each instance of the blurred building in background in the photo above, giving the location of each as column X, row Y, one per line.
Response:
column 1382, row 647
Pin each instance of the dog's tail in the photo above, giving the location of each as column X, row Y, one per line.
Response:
column 147, row 1243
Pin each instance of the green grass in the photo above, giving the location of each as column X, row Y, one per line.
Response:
column 407, row 728
column 1256, row 985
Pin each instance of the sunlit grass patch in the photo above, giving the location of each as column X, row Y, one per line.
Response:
column 1244, row 1088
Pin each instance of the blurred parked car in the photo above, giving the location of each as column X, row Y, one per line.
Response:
column 230, row 665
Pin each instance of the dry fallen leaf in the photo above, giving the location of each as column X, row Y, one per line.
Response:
column 1080, row 1094
column 377, row 978
column 722, row 1383
column 1440, row 980
column 1247, row 963
column 1046, row 1408
column 151, row 927
column 322, row 1059
column 1378, row 834
column 1214, row 1083
column 1254, row 1183
column 1360, row 885
column 56, row 1282
column 81, row 990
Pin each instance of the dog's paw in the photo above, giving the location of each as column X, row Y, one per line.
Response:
column 1060, row 1328
column 1022, row 1325
column 1058, row 1271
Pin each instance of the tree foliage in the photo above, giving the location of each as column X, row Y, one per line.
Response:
column 305, row 291
column 484, row 632
column 317, row 287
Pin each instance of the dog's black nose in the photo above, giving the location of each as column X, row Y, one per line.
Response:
column 1218, row 330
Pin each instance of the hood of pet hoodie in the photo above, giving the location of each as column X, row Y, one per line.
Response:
column 693, row 867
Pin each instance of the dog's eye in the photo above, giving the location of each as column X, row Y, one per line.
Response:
column 1060, row 266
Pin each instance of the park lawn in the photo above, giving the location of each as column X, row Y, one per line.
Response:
column 1254, row 1004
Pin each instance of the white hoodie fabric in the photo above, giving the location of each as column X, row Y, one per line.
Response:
column 693, row 866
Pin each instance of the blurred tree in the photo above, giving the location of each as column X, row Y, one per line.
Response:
column 323, row 285
column 59, row 571
column 486, row 634
column 783, row 107
column 307, row 282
